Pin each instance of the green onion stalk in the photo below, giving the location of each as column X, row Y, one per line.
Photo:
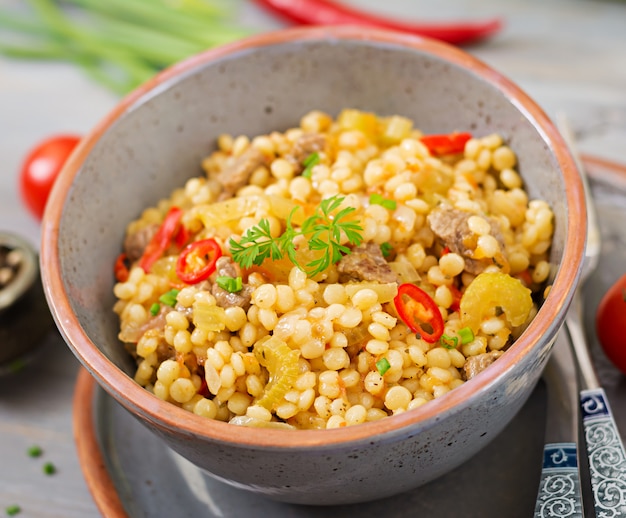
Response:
column 119, row 43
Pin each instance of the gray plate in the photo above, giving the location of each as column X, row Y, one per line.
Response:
column 136, row 472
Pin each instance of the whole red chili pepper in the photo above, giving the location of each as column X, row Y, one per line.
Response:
column 197, row 260
column 419, row 312
column 162, row 239
column 325, row 12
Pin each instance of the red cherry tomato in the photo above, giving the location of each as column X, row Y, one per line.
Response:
column 611, row 323
column 41, row 168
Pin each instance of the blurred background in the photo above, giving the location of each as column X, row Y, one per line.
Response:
column 64, row 64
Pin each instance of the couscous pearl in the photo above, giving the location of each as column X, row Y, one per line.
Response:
column 182, row 390
column 168, row 371
column 397, row 398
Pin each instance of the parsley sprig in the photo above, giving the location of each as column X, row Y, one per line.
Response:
column 323, row 231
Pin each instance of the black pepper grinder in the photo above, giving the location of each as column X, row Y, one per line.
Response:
column 25, row 318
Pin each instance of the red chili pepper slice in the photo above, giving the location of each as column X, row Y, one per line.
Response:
column 197, row 260
column 456, row 297
column 324, row 12
column 204, row 388
column 525, row 277
column 182, row 236
column 121, row 268
column 449, row 144
column 161, row 241
column 419, row 311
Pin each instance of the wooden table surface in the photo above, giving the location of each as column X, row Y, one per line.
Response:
column 569, row 55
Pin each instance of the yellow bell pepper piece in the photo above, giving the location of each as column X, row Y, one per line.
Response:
column 491, row 290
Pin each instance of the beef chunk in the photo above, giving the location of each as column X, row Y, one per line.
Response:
column 450, row 226
column 238, row 173
column 365, row 263
column 136, row 243
column 226, row 267
column 304, row 147
column 476, row 364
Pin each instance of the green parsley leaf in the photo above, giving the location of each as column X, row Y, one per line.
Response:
column 230, row 284
column 49, row 468
column 13, row 510
column 377, row 199
column 256, row 245
column 323, row 231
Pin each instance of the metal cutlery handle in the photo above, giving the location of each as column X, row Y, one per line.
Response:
column 559, row 486
column 605, row 451
column 573, row 324
column 559, row 491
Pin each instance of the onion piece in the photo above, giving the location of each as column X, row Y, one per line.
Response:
column 208, row 317
column 405, row 271
column 234, row 209
column 357, row 335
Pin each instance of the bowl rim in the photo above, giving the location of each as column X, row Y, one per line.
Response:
column 169, row 418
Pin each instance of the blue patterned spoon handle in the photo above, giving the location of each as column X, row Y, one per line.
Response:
column 559, row 486
column 607, row 459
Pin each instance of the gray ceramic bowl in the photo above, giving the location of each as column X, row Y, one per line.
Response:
column 157, row 137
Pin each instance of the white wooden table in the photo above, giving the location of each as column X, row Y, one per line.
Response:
column 569, row 55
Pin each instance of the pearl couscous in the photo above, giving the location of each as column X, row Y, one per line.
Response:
column 335, row 273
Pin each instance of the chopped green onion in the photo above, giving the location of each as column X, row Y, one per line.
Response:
column 120, row 43
column 17, row 365
column 377, row 199
column 466, row 334
column 308, row 164
column 49, row 468
column 449, row 342
column 230, row 284
column 312, row 159
column 169, row 298
column 155, row 308
column 13, row 510
column 386, row 249
column 382, row 366
column 35, row 451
